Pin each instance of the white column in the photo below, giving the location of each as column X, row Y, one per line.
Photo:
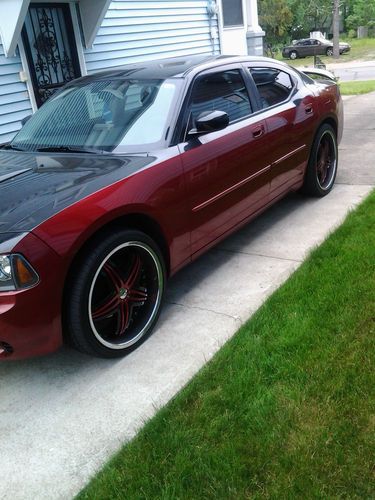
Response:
column 254, row 33
column 12, row 17
column 252, row 16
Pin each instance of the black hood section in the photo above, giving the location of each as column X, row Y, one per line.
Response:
column 34, row 187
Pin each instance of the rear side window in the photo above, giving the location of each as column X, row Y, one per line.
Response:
column 223, row 91
column 274, row 85
column 306, row 79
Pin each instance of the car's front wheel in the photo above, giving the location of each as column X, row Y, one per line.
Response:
column 293, row 55
column 114, row 295
column 322, row 165
column 329, row 52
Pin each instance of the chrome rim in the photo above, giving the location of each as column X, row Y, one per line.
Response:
column 326, row 160
column 125, row 295
column 293, row 55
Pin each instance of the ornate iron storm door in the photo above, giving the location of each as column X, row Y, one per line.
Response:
column 50, row 48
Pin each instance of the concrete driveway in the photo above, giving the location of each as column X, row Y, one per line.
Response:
column 62, row 416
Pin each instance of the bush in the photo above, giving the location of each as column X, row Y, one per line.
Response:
column 352, row 34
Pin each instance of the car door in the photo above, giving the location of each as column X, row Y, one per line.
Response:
column 318, row 48
column 303, row 48
column 290, row 119
column 226, row 171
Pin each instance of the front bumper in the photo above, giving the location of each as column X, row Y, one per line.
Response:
column 30, row 320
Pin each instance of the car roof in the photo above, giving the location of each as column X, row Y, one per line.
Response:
column 176, row 67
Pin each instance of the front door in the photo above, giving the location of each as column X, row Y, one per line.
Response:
column 50, row 48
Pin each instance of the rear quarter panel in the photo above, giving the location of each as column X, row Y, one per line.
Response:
column 331, row 105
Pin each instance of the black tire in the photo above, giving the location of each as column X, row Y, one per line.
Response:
column 293, row 55
column 114, row 294
column 322, row 165
column 329, row 51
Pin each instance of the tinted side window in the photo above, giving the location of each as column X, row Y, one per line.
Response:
column 224, row 91
column 274, row 85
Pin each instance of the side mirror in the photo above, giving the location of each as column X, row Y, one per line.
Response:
column 210, row 121
column 26, row 119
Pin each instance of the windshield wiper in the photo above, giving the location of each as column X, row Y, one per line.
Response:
column 68, row 149
column 15, row 148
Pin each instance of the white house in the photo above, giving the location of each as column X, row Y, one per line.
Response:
column 45, row 44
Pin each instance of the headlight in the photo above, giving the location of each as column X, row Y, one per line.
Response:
column 16, row 273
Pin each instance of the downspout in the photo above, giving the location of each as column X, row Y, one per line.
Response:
column 212, row 11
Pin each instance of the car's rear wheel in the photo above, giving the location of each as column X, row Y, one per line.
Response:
column 329, row 51
column 114, row 294
column 293, row 55
column 322, row 166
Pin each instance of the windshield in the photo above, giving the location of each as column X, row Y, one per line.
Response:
column 131, row 115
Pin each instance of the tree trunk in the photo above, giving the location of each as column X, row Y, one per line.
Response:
column 336, row 29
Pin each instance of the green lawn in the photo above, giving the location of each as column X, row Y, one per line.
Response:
column 362, row 49
column 357, row 87
column 286, row 408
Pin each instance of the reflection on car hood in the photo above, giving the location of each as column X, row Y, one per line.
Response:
column 33, row 186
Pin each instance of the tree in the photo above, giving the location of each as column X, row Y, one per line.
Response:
column 283, row 20
column 336, row 28
column 319, row 12
column 362, row 13
column 276, row 18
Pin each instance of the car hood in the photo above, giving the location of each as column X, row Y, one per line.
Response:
column 35, row 186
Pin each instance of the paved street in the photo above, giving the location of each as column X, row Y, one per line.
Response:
column 63, row 415
column 351, row 71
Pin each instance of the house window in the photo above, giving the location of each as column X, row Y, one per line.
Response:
column 232, row 13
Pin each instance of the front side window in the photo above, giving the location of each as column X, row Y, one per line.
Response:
column 224, row 91
column 101, row 114
column 274, row 85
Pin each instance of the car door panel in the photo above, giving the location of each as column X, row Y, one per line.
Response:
column 303, row 49
column 226, row 171
column 286, row 125
column 321, row 49
column 227, row 177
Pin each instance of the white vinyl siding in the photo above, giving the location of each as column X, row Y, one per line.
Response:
column 14, row 98
column 137, row 30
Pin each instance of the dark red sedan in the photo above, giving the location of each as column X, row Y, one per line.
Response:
column 124, row 177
